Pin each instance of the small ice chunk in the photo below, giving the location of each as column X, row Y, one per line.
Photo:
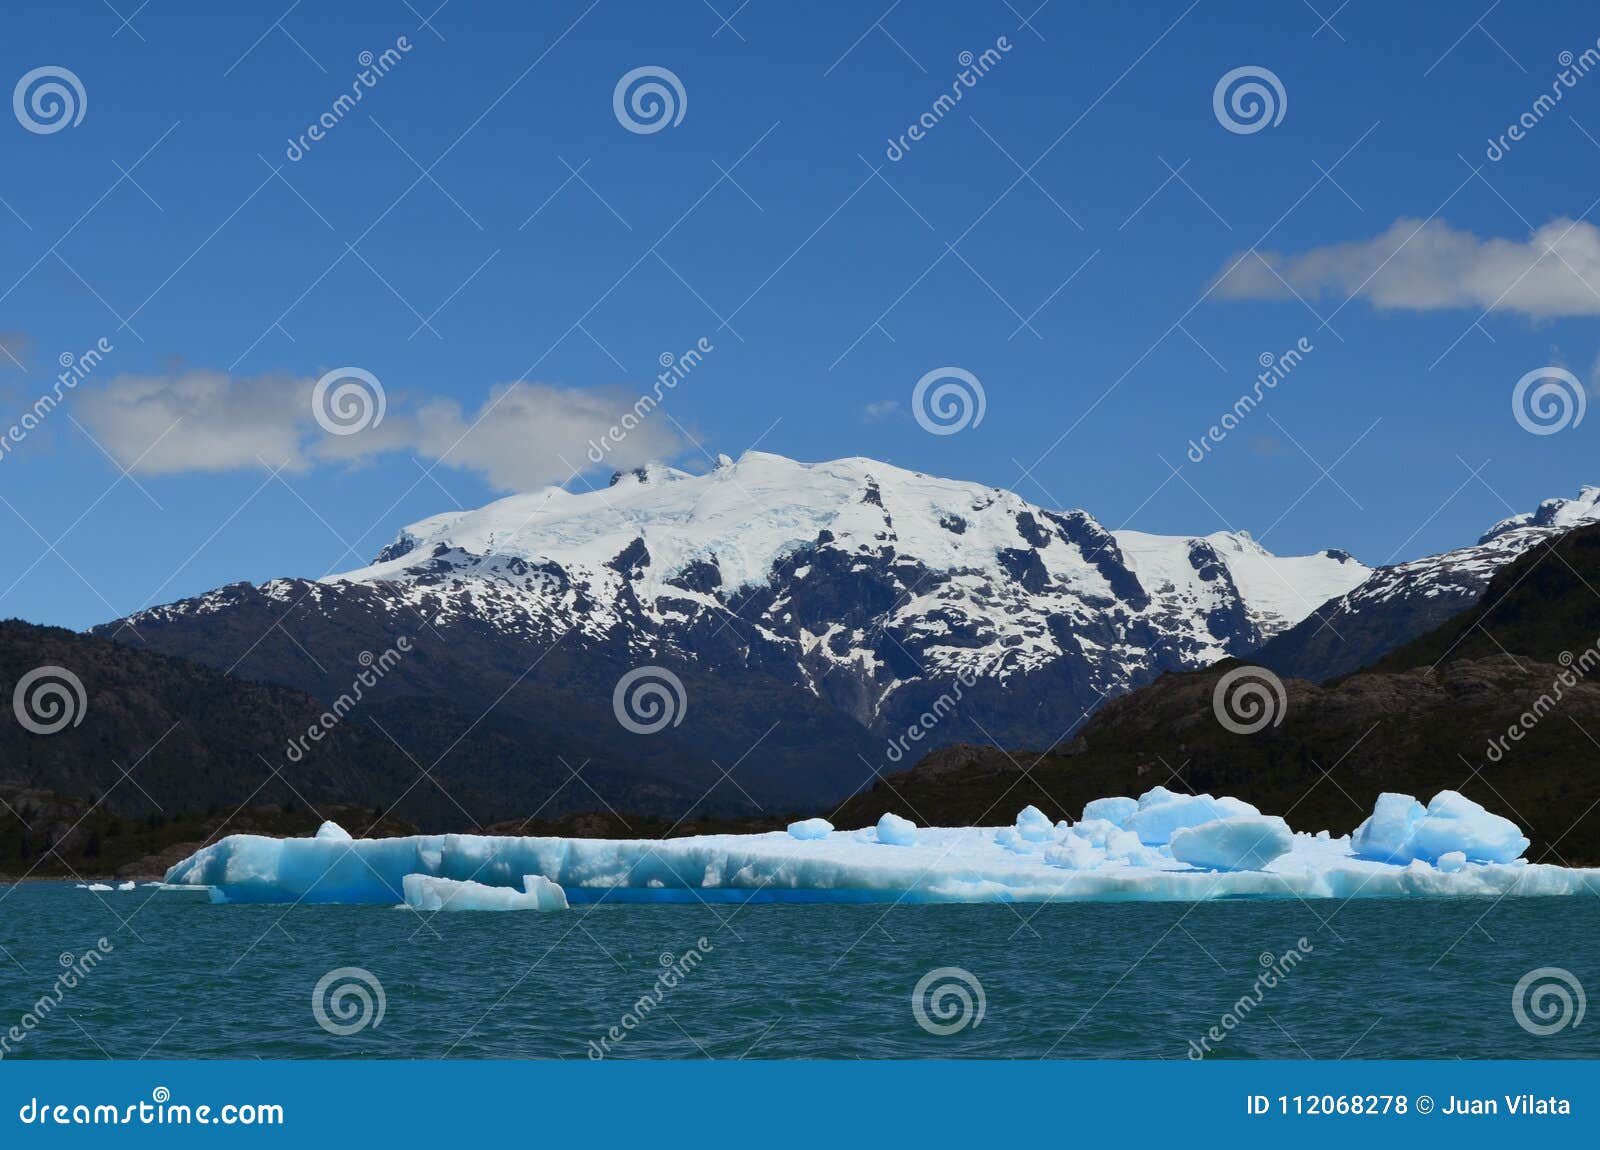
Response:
column 1385, row 835
column 1124, row 846
column 1401, row 829
column 547, row 891
column 129, row 885
column 1456, row 823
column 1008, row 838
column 1243, row 842
column 1452, row 861
column 94, row 886
column 1116, row 810
column 896, row 831
column 1096, row 831
column 1110, row 843
column 1075, row 853
column 1155, row 822
column 425, row 892
column 1234, row 806
column 1035, row 826
column 331, row 831
column 810, row 830
column 1155, row 796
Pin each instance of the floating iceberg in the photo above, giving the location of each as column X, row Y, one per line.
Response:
column 810, row 830
column 1401, row 829
column 1035, row 826
column 1162, row 813
column 1242, row 842
column 1115, row 810
column 896, row 831
column 332, row 832
column 1385, row 832
column 425, row 892
column 1163, row 846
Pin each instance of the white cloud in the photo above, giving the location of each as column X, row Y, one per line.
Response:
column 530, row 434
column 200, row 421
column 1419, row 266
column 881, row 409
column 524, row 435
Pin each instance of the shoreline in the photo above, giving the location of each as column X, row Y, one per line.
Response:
column 22, row 880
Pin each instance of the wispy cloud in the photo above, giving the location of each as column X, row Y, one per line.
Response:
column 523, row 435
column 880, row 409
column 1419, row 266
column 15, row 350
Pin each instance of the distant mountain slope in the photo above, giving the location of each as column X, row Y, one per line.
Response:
column 187, row 736
column 1399, row 603
column 1432, row 715
column 192, row 739
column 1546, row 607
column 811, row 611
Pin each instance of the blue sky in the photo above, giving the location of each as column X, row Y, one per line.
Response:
column 548, row 246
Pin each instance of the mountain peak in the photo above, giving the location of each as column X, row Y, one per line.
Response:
column 653, row 472
column 1558, row 513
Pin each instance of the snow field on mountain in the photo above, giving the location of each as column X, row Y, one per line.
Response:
column 745, row 517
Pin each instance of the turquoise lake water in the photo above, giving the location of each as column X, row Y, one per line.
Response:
column 1390, row 979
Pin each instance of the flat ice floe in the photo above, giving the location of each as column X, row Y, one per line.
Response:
column 424, row 892
column 1163, row 846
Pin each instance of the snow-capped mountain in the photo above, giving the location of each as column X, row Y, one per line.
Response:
column 1399, row 602
column 1557, row 514
column 858, row 592
column 854, row 569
